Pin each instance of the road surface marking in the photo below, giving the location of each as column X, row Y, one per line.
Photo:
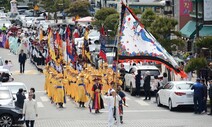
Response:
column 40, row 105
column 141, row 102
column 44, row 98
column 135, row 111
column 40, row 91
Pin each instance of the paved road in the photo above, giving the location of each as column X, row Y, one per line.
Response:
column 139, row 113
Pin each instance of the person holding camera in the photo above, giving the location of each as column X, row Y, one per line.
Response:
column 20, row 98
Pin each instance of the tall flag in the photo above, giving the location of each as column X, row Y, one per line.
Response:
column 41, row 35
column 102, row 40
column 85, row 51
column 51, row 47
column 137, row 44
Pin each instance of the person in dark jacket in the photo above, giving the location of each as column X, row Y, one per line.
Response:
column 147, row 86
column 205, row 87
column 198, row 96
column 20, row 98
column 22, row 59
column 138, row 83
column 123, row 101
column 210, row 96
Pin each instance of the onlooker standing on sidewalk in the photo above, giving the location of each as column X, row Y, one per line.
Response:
column 7, row 64
column 32, row 91
column 210, row 96
column 147, row 86
column 198, row 96
column 205, row 87
column 22, row 59
column 30, row 111
column 20, row 98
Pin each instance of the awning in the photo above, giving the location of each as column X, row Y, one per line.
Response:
column 189, row 30
column 206, row 31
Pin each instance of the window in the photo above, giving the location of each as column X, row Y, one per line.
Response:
column 183, row 86
column 152, row 72
column 168, row 86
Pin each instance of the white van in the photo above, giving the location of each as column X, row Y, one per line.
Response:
column 130, row 82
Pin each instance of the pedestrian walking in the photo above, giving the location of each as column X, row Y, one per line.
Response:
column 22, row 59
column 121, row 103
column 113, row 104
column 210, row 96
column 30, row 111
column 147, row 86
column 198, row 96
column 32, row 91
column 20, row 98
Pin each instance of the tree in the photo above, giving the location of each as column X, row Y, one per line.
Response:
column 205, row 42
column 136, row 11
column 102, row 14
column 111, row 23
column 79, row 7
column 6, row 4
column 147, row 18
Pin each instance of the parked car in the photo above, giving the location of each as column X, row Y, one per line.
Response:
column 134, row 70
column 29, row 21
column 6, row 21
column 6, row 97
column 15, row 86
column 10, row 116
column 175, row 93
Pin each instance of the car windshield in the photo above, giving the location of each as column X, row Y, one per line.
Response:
column 13, row 15
column 15, row 88
column 4, row 94
column 184, row 86
column 152, row 72
column 94, row 33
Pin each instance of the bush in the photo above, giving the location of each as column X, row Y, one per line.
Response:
column 195, row 64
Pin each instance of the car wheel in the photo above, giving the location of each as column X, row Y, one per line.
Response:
column 170, row 105
column 158, row 100
column 6, row 121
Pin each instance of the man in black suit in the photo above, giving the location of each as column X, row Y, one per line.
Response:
column 147, row 86
column 22, row 59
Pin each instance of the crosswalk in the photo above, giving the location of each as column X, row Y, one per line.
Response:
column 44, row 99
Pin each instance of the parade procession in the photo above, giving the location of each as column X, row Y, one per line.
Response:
column 79, row 63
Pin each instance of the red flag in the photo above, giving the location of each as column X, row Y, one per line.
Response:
column 59, row 41
column 102, row 40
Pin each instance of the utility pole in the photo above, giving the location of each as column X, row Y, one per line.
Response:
column 197, row 20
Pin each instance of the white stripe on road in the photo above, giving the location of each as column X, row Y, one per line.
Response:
column 141, row 102
column 135, row 111
column 40, row 105
column 40, row 91
column 44, row 98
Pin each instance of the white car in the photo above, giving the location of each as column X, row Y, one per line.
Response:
column 44, row 24
column 129, row 77
column 93, row 36
column 6, row 97
column 29, row 21
column 37, row 20
column 175, row 93
column 15, row 86
column 6, row 21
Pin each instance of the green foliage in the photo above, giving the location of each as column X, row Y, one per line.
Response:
column 6, row 4
column 195, row 64
column 136, row 11
column 163, row 26
column 79, row 7
column 101, row 16
column 111, row 23
column 205, row 42
column 169, row 44
column 147, row 18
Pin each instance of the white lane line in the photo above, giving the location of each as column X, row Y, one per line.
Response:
column 40, row 105
column 44, row 98
column 135, row 111
column 141, row 102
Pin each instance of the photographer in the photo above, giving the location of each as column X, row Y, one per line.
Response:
column 20, row 98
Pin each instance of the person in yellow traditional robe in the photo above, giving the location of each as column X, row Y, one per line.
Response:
column 82, row 92
column 60, row 92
